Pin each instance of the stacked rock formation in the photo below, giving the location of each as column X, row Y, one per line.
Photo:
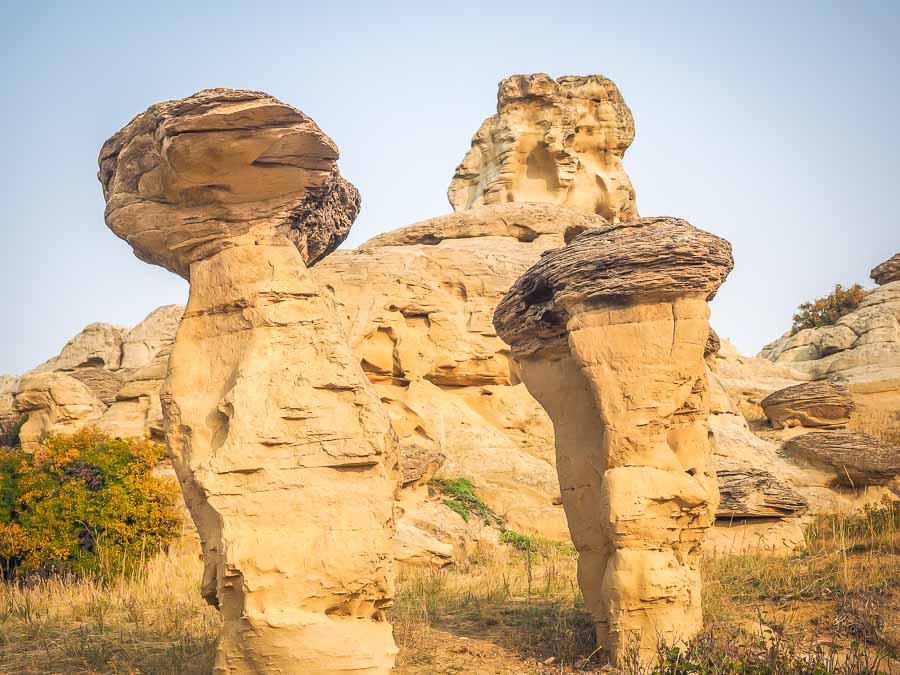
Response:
column 810, row 404
column 609, row 333
column 857, row 460
column 285, row 454
column 557, row 141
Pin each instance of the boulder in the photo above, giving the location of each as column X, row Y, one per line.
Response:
column 285, row 454
column 810, row 404
column 609, row 333
column 54, row 402
column 555, row 141
column 887, row 271
column 857, row 460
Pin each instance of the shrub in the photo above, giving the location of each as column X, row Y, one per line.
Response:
column 83, row 502
column 826, row 311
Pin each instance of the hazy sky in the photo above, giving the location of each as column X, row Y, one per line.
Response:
column 774, row 125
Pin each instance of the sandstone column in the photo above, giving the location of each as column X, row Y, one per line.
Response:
column 285, row 454
column 609, row 332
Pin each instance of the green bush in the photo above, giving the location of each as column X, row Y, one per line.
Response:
column 460, row 497
column 83, row 503
column 826, row 311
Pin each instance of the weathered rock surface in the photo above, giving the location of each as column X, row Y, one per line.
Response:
column 417, row 304
column 610, row 333
column 749, row 379
column 862, row 350
column 98, row 345
column 810, row 404
column 856, row 459
column 267, row 412
column 187, row 178
column 556, row 141
column 141, row 344
column 54, row 402
column 887, row 271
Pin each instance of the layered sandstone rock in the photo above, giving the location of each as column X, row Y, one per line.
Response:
column 887, row 271
column 285, row 455
column 98, row 345
column 861, row 351
column 857, row 460
column 556, row 141
column 610, row 333
column 416, row 305
column 810, row 404
column 53, row 402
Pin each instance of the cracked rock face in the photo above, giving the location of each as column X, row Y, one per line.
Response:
column 285, row 454
column 610, row 333
column 556, row 141
column 186, row 178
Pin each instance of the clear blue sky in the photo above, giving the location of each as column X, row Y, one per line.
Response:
column 774, row 125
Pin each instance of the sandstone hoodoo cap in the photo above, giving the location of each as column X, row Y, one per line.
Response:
column 644, row 260
column 187, row 178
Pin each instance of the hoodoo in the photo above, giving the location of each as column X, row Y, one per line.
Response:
column 555, row 141
column 284, row 452
column 610, row 333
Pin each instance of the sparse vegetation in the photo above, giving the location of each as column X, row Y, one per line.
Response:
column 512, row 609
column 83, row 503
column 152, row 621
column 827, row 310
column 459, row 496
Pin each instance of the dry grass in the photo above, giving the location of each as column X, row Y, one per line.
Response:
column 154, row 622
column 512, row 610
column 877, row 422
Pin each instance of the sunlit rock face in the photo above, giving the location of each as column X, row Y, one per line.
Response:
column 556, row 141
column 610, row 333
column 187, row 178
column 285, row 454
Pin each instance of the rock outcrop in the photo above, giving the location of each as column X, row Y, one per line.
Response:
column 98, row 345
column 556, row 141
column 53, row 402
column 887, row 271
column 857, row 460
column 416, row 305
column 285, row 454
column 810, row 404
column 861, row 351
column 610, row 333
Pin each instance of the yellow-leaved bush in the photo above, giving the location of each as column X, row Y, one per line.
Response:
column 84, row 502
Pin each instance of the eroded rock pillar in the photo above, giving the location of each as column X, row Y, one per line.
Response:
column 284, row 452
column 609, row 333
column 286, row 457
